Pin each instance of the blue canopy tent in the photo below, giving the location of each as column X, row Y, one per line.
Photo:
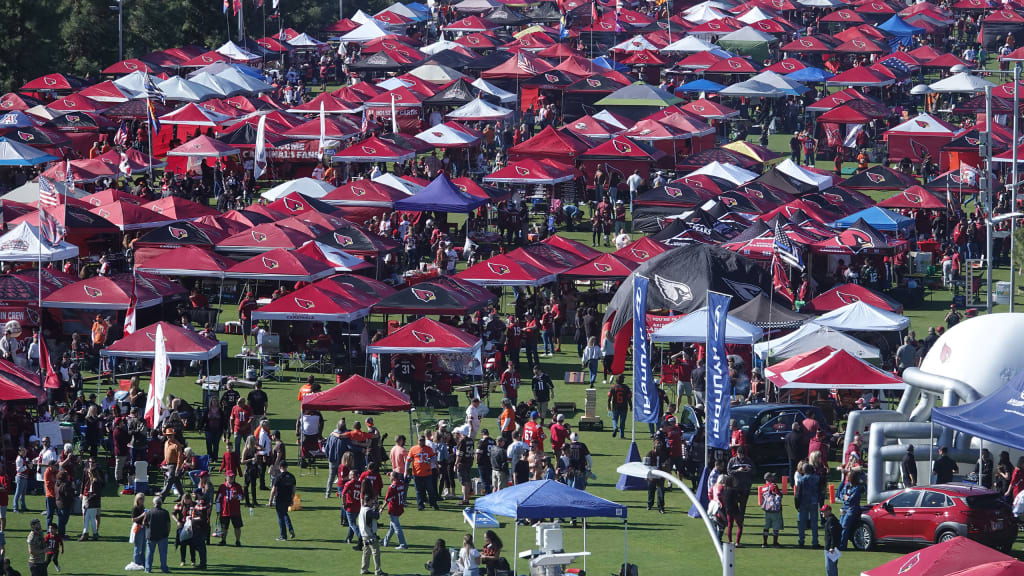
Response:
column 881, row 219
column 701, row 85
column 610, row 64
column 997, row 418
column 441, row 196
column 548, row 499
column 902, row 32
column 810, row 74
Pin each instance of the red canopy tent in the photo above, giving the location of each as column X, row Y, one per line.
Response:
column 827, row 368
column 622, row 155
column 426, row 336
column 192, row 114
column 182, row 344
column 604, row 267
column 178, row 208
column 940, row 559
column 13, row 375
column 844, row 294
column 187, row 261
column 77, row 103
column 373, row 149
column 358, row 394
column 128, row 216
column 263, row 238
column 11, row 392
column 280, row 264
column 312, row 303
column 578, row 248
column 523, row 67
column 559, row 145
column 914, row 197
column 54, row 82
column 109, row 196
column 339, row 260
column 641, row 250
column 102, row 293
column 501, row 270
column 530, row 171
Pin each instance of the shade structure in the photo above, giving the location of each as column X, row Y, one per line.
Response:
column 103, row 293
column 426, row 336
column 188, row 260
column 641, row 250
column 204, row 147
column 940, row 559
column 530, row 171
column 128, row 216
column 263, row 238
column 578, row 248
column 178, row 208
column 768, row 313
column 964, row 82
column 500, row 270
column 862, row 317
column 194, row 115
column 340, row 260
column 914, row 198
column 547, row 499
column 827, row 368
column 204, row 232
column 444, row 295
column 480, row 110
column 312, row 304
column 295, row 204
column 363, row 193
column 358, row 240
column 280, row 264
column 440, row 196
column 444, row 136
column 308, row 187
column 14, row 153
column 603, row 267
column 358, row 394
column 23, row 243
column 694, row 328
column 879, row 177
column 11, row 392
column 358, row 288
column 810, row 337
column 13, row 375
column 373, row 149
column 182, row 344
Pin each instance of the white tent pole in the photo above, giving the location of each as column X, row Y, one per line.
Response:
column 515, row 548
column 584, row 543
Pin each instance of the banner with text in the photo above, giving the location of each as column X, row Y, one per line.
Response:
column 718, row 393
column 645, row 393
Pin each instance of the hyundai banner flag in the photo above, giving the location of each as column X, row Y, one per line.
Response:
column 645, row 393
column 718, row 388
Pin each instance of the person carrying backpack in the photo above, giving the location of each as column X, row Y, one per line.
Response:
column 771, row 502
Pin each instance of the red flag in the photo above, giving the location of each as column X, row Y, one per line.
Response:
column 236, row 5
column 129, row 316
column 51, row 379
column 780, row 281
column 593, row 14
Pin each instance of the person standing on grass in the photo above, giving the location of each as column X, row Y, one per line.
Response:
column 620, row 399
column 229, row 507
column 158, row 527
column 334, row 448
column 200, row 528
column 591, row 356
column 351, row 504
column 421, row 458
column 92, row 489
column 833, row 531
column 245, row 309
column 658, row 458
column 542, row 390
column 464, row 452
column 182, row 514
column 241, row 423
column 771, row 502
column 370, row 544
column 54, row 546
column 36, row 549
column 282, row 492
column 395, row 501
column 806, row 493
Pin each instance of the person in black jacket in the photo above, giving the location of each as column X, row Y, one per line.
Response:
column 945, row 467
column 796, row 449
column 440, row 561
column 833, row 533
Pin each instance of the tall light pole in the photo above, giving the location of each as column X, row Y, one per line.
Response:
column 988, row 198
column 1013, row 190
column 119, row 8
column 726, row 551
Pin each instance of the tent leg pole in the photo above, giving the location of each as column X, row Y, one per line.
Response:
column 625, row 542
column 584, row 544
column 931, row 444
column 515, row 548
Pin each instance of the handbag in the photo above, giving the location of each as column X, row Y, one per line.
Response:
column 186, row 532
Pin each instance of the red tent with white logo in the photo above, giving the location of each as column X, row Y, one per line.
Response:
column 500, row 270
column 128, row 216
column 358, row 394
column 312, row 303
column 915, row 198
column 578, row 248
column 827, row 368
column 102, row 293
column 280, row 264
column 296, row 204
column 641, row 250
column 844, row 294
column 426, row 336
column 530, row 171
column 940, row 559
column 182, row 344
column 187, row 261
column 178, row 208
column 604, row 267
column 913, row 138
column 373, row 149
column 263, row 238
column 340, row 260
column 363, row 193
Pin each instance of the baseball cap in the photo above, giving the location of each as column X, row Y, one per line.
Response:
column 561, row 418
column 369, row 421
column 534, row 414
column 825, row 507
column 574, row 437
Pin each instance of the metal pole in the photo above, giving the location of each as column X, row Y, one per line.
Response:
column 1013, row 190
column 120, row 29
column 988, row 199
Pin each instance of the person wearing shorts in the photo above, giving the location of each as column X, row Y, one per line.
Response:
column 770, row 498
column 245, row 308
column 229, row 506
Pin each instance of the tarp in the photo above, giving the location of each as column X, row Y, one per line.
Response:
column 358, row 394
column 862, row 317
column 827, row 368
column 843, row 294
column 547, row 499
column 940, row 559
column 694, row 328
column 426, row 336
column 810, row 337
column 182, row 344
column 440, row 196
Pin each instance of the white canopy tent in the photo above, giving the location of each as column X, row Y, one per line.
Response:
column 23, row 244
column 247, row 81
column 305, row 41
column 503, row 96
column 179, row 89
column 962, row 82
column 810, row 337
column 436, row 73
column 29, row 192
column 446, row 136
column 752, row 89
column 134, row 85
column 476, row 6
column 862, row 317
column 390, row 180
column 734, row 174
column 694, row 328
column 480, row 110
column 705, row 12
column 309, row 187
column 236, row 52
column 690, row 44
column 371, row 30
column 440, row 46
column 222, row 86
column 790, row 168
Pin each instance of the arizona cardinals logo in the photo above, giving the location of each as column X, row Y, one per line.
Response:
column 622, row 147
column 270, row 263
column 913, row 198
column 714, row 25
column 972, row 141
column 602, row 267
column 910, row 563
column 1009, row 15
column 177, row 233
column 744, row 290
column 673, row 191
column 437, row 134
column 856, row 240
column 859, row 44
column 525, row 41
column 131, row 65
column 593, row 83
column 207, row 59
column 945, row 353
column 697, row 108
column 105, row 213
column 673, row 291
column 423, row 295
column 606, row 26
column 876, row 178
column 73, row 118
column 158, row 210
column 788, row 66
column 25, row 136
column 806, row 43
column 696, row 183
column 522, row 171
column 49, row 81
column 844, row 14
column 304, row 304
column 151, row 336
column 473, row 40
column 70, row 103
column 358, row 192
column 640, row 254
column 921, row 123
column 956, row 179
column 918, row 149
column 258, row 236
column 423, row 337
column 342, row 240
column 551, row 78
column 294, row 205
column 835, row 199
column 92, row 292
column 876, row 6
column 763, row 25
column 95, row 201
column 734, row 64
column 635, row 43
column 369, row 149
column 499, row 269
column 728, row 201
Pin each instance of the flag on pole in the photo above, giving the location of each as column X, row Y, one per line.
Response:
column 780, row 281
column 259, row 165
column 121, row 137
column 394, row 115
column 593, row 14
column 129, row 316
column 785, row 249
column 276, row 3
column 69, row 178
column 524, row 64
column 225, row 6
column 48, row 195
column 154, row 123
column 968, row 174
column 719, row 392
column 646, row 407
column 365, row 126
column 323, row 126
column 50, row 377
column 158, row 380
column 236, row 5
column 50, row 228
column 125, row 167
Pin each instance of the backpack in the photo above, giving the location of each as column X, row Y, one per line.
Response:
column 771, row 501
column 442, row 452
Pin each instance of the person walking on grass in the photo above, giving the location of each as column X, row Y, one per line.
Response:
column 771, row 502
column 282, row 492
column 833, row 534
column 229, row 506
column 54, row 546
column 395, row 501
column 369, row 513
column 36, row 549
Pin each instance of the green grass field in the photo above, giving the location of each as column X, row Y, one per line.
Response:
column 660, row 544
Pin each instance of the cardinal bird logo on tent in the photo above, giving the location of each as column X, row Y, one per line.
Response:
column 945, row 354
column 918, row 149
column 369, row 149
column 551, row 78
column 522, row 171
column 754, row 192
column 876, row 178
column 92, row 292
column 673, row 291
column 622, row 147
column 343, row 240
column 304, row 304
column 806, row 43
column 640, row 254
column 177, row 233
column 423, row 295
column 294, row 205
column 909, row 564
column 270, row 263
column 735, row 64
column 855, row 240
column 788, row 66
column 131, row 65
column 846, row 298
column 49, row 81
column 731, row 202
column 602, row 267
column 913, row 198
column 593, row 84
column 673, row 192
column 259, row 236
column 835, row 199
column 499, row 269
column 358, row 192
column 423, row 337
column 25, row 136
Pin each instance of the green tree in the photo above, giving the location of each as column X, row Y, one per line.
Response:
column 30, row 40
column 89, row 37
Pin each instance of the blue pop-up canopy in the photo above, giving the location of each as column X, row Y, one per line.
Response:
column 810, row 74
column 900, row 30
column 441, row 195
column 548, row 499
column 701, row 85
column 998, row 417
column 881, row 219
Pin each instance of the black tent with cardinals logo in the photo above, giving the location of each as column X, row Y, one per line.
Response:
column 880, row 177
column 443, row 295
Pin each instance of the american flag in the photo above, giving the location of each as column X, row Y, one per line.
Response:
column 524, row 64
column 785, row 249
column 121, row 137
column 899, row 67
column 69, row 177
column 151, row 90
column 48, row 195
column 365, row 127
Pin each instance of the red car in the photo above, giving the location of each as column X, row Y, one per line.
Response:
column 930, row 514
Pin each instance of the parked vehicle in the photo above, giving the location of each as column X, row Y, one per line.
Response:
column 766, row 426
